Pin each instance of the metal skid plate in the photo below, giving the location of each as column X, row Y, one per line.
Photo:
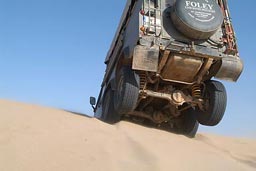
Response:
column 182, row 68
column 145, row 58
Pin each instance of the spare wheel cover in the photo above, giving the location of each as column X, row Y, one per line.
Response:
column 197, row 19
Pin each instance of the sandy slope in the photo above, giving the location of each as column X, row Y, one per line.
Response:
column 34, row 138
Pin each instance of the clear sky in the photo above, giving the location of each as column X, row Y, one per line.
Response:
column 52, row 54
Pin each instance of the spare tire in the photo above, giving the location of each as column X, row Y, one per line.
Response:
column 197, row 19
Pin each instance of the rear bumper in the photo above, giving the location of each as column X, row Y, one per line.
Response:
column 185, row 66
column 230, row 69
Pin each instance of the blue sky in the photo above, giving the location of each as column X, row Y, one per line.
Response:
column 52, row 54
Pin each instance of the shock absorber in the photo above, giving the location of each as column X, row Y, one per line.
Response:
column 143, row 80
column 196, row 91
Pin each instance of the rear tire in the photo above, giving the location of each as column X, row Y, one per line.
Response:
column 127, row 92
column 109, row 114
column 217, row 97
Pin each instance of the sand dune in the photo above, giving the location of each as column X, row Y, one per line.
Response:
column 34, row 138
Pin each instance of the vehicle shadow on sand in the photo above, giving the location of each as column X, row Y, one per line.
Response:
column 78, row 113
column 151, row 125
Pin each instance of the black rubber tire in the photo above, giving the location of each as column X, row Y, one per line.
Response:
column 127, row 91
column 217, row 95
column 190, row 125
column 109, row 114
column 197, row 19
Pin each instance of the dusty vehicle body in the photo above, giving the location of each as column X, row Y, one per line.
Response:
column 162, row 60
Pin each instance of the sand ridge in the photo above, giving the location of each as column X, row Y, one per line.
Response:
column 43, row 139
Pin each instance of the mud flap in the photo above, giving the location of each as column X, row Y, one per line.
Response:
column 145, row 58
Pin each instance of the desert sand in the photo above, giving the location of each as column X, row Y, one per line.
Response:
column 34, row 138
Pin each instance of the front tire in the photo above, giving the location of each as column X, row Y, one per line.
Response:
column 109, row 114
column 189, row 125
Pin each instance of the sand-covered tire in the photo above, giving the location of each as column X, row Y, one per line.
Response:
column 216, row 105
column 109, row 114
column 190, row 125
column 127, row 91
column 197, row 19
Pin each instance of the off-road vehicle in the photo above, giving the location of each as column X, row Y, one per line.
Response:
column 162, row 62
